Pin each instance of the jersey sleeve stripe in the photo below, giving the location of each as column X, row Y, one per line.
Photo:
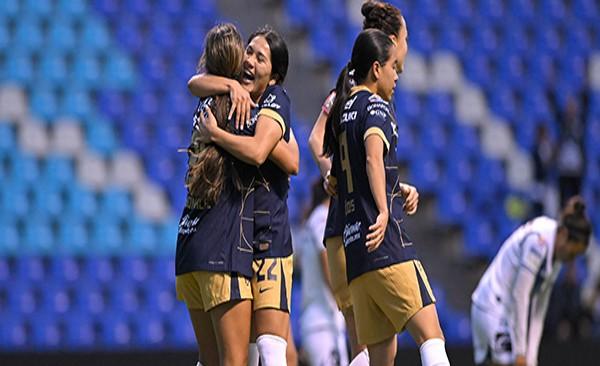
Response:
column 379, row 132
column 274, row 116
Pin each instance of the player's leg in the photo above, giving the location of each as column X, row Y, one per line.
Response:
column 384, row 352
column 424, row 327
column 205, row 337
column 336, row 259
column 231, row 322
column 291, row 353
column 189, row 290
column 271, row 286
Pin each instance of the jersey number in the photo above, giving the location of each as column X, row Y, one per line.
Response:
column 260, row 276
column 344, row 157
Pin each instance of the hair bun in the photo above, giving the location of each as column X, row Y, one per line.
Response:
column 368, row 7
column 575, row 205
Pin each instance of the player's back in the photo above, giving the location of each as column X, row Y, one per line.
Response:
column 531, row 242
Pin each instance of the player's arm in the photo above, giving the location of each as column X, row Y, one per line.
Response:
column 315, row 143
column 286, row 155
column 253, row 150
column 532, row 258
column 374, row 146
column 204, row 85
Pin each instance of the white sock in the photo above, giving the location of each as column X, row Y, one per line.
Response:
column 199, row 363
column 433, row 353
column 272, row 350
column 361, row 359
column 252, row 354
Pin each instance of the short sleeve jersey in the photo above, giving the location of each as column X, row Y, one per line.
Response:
column 363, row 115
column 217, row 238
column 272, row 235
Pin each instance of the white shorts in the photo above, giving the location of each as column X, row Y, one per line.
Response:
column 325, row 340
column 492, row 337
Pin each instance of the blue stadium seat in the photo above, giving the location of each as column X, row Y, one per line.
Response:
column 10, row 8
column 136, row 268
column 81, row 331
column 81, row 201
column 73, row 236
column 28, row 33
column 101, row 270
column 15, row 202
column 159, row 296
column 7, row 138
column 116, row 331
column 150, row 329
column 47, row 200
column 116, row 203
column 61, row 35
column 10, row 239
column 93, row 36
column 125, row 297
column 101, row 138
column 112, row 103
column 58, row 171
column 118, row 72
column 76, row 102
column 107, row 236
column 18, row 66
column 44, row 103
column 15, row 333
column 39, row 238
column 141, row 236
column 86, row 70
column 23, row 298
column 67, row 270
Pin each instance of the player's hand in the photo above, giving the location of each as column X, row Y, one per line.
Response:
column 207, row 125
column 377, row 232
column 411, row 198
column 330, row 184
column 241, row 105
column 520, row 360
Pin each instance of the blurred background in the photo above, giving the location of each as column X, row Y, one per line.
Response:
column 499, row 121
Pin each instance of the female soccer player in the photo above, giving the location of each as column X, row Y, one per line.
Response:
column 387, row 18
column 322, row 325
column 214, row 243
column 388, row 286
column 265, row 68
column 509, row 304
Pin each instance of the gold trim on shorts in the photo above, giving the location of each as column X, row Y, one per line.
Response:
column 272, row 283
column 385, row 299
column 203, row 290
column 336, row 259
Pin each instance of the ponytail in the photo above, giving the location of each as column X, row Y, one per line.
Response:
column 344, row 84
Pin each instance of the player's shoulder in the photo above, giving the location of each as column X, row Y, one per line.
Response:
column 540, row 233
column 274, row 96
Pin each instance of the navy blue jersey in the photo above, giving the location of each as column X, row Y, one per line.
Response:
column 218, row 237
column 272, row 235
column 365, row 114
column 335, row 216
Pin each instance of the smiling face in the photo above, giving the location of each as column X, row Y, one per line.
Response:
column 257, row 67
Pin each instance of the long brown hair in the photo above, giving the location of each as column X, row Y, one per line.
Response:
column 210, row 166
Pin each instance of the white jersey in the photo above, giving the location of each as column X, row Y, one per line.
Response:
column 321, row 323
column 518, row 283
column 314, row 287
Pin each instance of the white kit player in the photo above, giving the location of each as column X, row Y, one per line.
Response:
column 322, row 324
column 509, row 304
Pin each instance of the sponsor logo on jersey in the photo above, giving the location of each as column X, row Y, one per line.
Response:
column 350, row 102
column 187, row 225
column 351, row 233
column 349, row 116
column 270, row 102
